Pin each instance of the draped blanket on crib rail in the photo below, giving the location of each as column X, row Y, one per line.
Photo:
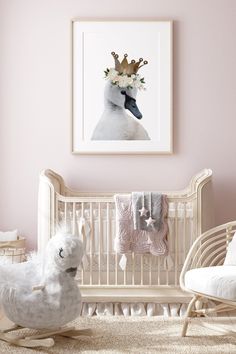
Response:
column 138, row 241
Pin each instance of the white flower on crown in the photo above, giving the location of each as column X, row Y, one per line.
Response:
column 112, row 74
column 137, row 83
column 125, row 81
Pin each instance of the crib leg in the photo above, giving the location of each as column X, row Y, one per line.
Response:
column 189, row 314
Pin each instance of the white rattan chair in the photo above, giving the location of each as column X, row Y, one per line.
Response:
column 205, row 275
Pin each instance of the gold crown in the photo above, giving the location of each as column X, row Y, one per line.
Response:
column 124, row 67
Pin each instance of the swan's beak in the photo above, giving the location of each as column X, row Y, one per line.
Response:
column 131, row 105
column 72, row 271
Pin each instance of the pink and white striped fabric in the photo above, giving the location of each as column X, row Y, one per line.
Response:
column 138, row 241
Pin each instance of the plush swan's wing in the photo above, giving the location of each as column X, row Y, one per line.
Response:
column 19, row 275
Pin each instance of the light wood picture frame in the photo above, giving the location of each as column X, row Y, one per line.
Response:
column 122, row 87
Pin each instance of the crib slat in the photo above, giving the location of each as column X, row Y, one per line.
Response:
column 91, row 244
column 195, row 225
column 169, row 242
column 65, row 213
column 158, row 271
column 56, row 214
column 133, row 267
column 73, row 218
column 116, row 268
column 99, row 243
column 83, row 240
column 108, row 243
column 125, row 275
column 141, row 270
column 176, row 244
column 150, row 269
column 184, row 233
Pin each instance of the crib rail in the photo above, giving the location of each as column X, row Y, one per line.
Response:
column 92, row 216
column 102, row 269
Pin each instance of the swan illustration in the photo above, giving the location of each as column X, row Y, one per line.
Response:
column 120, row 95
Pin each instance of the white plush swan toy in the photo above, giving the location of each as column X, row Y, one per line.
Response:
column 44, row 295
column 120, row 94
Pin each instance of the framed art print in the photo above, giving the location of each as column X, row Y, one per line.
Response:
column 122, row 87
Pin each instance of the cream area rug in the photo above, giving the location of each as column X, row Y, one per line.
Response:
column 143, row 335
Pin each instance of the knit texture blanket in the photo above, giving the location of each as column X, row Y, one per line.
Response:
column 139, row 241
column 152, row 202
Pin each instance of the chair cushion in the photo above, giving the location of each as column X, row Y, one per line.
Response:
column 219, row 281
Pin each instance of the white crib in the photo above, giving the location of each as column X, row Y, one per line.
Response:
column 146, row 278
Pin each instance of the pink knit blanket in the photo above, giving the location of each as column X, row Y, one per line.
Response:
column 138, row 241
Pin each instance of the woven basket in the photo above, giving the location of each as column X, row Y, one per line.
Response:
column 14, row 251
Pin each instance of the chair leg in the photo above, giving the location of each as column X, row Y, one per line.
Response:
column 188, row 315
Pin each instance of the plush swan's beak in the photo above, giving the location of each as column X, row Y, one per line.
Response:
column 72, row 271
column 130, row 104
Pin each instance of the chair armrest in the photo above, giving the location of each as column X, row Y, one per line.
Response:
column 209, row 249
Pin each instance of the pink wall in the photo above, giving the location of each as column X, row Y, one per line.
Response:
column 35, row 104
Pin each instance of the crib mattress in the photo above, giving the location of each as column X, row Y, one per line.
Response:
column 217, row 281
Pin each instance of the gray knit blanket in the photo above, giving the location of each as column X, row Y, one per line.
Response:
column 138, row 241
column 152, row 205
